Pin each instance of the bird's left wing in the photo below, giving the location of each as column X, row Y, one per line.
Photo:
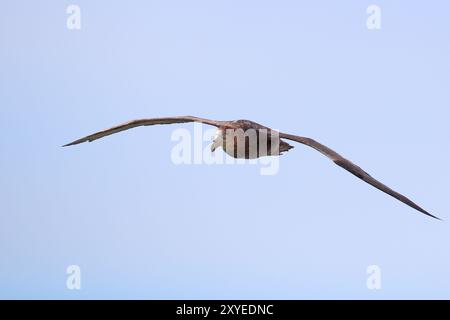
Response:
column 354, row 169
column 143, row 122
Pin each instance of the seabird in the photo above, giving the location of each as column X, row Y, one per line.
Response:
column 231, row 135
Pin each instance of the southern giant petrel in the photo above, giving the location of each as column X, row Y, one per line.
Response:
column 234, row 138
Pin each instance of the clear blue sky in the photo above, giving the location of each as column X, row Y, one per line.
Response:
column 141, row 227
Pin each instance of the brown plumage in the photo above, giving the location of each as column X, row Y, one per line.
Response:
column 249, row 140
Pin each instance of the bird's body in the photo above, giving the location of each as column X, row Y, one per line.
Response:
column 250, row 140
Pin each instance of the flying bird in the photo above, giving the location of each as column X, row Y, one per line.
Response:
column 249, row 140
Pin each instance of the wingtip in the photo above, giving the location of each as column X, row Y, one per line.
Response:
column 430, row 215
column 75, row 142
column 68, row 144
column 437, row 218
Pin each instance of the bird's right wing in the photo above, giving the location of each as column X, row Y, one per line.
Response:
column 143, row 122
column 354, row 169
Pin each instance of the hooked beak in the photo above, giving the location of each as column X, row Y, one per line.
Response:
column 216, row 143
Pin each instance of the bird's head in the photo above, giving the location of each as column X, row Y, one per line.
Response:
column 217, row 141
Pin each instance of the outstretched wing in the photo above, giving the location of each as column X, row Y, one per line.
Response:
column 354, row 169
column 142, row 122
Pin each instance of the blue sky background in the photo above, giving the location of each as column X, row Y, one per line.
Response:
column 141, row 227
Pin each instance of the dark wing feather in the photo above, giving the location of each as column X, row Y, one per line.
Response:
column 354, row 169
column 142, row 122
